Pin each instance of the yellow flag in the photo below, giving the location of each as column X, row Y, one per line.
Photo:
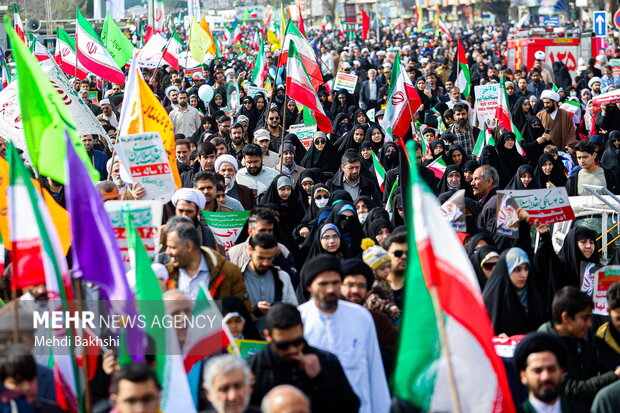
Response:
column 59, row 215
column 198, row 42
column 273, row 39
column 146, row 114
column 211, row 41
column 282, row 23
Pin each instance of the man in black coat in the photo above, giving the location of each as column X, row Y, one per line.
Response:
column 351, row 179
column 288, row 359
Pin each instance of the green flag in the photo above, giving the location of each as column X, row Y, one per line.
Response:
column 116, row 42
column 308, row 118
column 45, row 117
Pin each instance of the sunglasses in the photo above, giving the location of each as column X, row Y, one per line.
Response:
column 274, row 118
column 399, row 253
column 283, row 345
column 320, row 141
column 489, row 265
column 322, row 197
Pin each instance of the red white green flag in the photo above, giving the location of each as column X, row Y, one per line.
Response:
column 172, row 50
column 504, row 118
column 66, row 57
column 379, row 170
column 444, row 29
column 259, row 73
column 93, row 54
column 442, row 291
column 463, row 80
column 403, row 102
column 300, row 88
column 484, row 138
column 438, row 166
column 17, row 23
column 305, row 52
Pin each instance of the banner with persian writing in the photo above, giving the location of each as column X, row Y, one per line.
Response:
column 147, row 218
column 547, row 206
column 144, row 158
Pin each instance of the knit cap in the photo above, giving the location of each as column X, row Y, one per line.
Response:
column 375, row 257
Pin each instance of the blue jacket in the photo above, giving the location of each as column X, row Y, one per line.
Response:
column 99, row 162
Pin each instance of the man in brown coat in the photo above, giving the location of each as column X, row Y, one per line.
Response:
column 191, row 265
column 558, row 122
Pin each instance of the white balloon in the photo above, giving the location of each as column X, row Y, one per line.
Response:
column 205, row 93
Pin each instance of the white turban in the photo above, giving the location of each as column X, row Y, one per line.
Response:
column 190, row 195
column 226, row 158
column 594, row 80
column 550, row 94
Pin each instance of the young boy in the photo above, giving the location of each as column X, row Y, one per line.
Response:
column 607, row 341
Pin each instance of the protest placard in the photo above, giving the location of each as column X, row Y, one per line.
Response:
column 507, row 215
column 144, row 158
column 548, row 206
column 247, row 348
column 254, row 90
column 603, row 279
column 371, row 115
column 615, row 66
column 226, row 226
column 304, row 133
column 454, row 211
column 487, row 100
column 345, row 81
column 147, row 217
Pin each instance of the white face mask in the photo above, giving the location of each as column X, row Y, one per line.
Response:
column 362, row 217
column 321, row 202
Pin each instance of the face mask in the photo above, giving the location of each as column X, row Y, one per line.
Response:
column 345, row 223
column 573, row 94
column 362, row 217
column 321, row 202
column 390, row 155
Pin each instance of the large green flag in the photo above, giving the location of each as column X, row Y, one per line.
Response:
column 45, row 117
column 116, row 42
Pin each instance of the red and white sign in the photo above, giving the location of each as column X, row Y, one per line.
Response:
column 607, row 98
column 603, row 279
column 545, row 205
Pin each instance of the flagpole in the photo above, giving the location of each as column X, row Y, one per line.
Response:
column 79, row 307
column 443, row 339
column 283, row 128
column 165, row 47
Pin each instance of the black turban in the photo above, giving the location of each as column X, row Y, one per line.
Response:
column 537, row 343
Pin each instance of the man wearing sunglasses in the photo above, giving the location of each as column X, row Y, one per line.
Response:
column 288, row 359
column 396, row 246
column 275, row 129
column 345, row 329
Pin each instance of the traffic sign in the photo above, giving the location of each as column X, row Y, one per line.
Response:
column 599, row 18
column 617, row 19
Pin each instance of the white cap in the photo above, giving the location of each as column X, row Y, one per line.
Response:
column 550, row 94
column 540, row 55
column 594, row 80
column 261, row 135
column 104, row 102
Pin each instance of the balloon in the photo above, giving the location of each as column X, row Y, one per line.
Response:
column 205, row 93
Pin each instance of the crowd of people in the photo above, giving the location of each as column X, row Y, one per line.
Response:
column 319, row 270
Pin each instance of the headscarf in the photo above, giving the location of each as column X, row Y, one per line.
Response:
column 348, row 142
column 313, row 209
column 397, row 220
column 490, row 157
column 557, row 176
column 510, row 157
column 313, row 174
column 611, row 156
column 478, row 258
column 316, row 248
column 459, row 148
column 350, row 228
column 516, row 183
column 378, row 225
column 571, row 256
column 471, row 165
column 368, row 138
column 389, row 161
column 328, row 160
column 511, row 311
column 443, row 185
column 300, row 149
column 251, row 114
column 374, row 214
column 519, row 118
column 233, row 304
column 290, row 210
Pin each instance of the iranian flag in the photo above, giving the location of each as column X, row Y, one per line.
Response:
column 300, row 88
column 365, row 24
column 445, row 348
column 403, row 102
column 259, row 73
column 37, row 49
column 484, row 138
column 573, row 108
column 379, row 170
column 203, row 342
column 156, row 15
column 93, row 54
column 38, row 258
column 504, row 118
column 172, row 50
column 305, row 52
column 444, row 29
column 175, row 395
column 17, row 23
column 66, row 57
column 6, row 74
column 463, row 79
column 438, row 166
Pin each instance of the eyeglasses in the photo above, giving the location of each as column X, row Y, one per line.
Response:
column 247, row 103
column 320, row 141
column 274, row 118
column 321, row 197
column 330, row 237
column 489, row 265
column 283, row 345
column 399, row 253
